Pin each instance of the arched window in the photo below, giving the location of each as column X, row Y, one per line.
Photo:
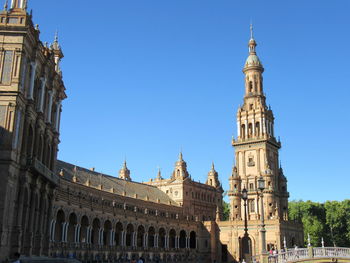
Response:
column 257, row 128
column 250, row 130
column 243, row 131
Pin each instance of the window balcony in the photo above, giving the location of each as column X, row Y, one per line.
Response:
column 36, row 166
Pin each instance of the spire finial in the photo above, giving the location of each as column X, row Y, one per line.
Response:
column 212, row 166
column 6, row 5
column 180, row 156
column 251, row 31
column 159, row 175
column 56, row 36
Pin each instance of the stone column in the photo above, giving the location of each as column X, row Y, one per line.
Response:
column 111, row 235
column 42, row 94
column 264, row 125
column 145, row 240
column 76, row 233
column 58, row 115
column 253, row 125
column 238, row 129
column 66, row 232
column 156, row 240
column 100, row 238
column 32, row 79
column 49, row 110
column 134, row 239
column 52, row 230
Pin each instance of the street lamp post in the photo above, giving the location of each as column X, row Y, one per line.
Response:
column 245, row 241
column 245, row 197
column 261, row 186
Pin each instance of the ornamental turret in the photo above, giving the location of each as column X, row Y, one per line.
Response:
column 57, row 51
column 235, row 195
column 180, row 171
column 213, row 177
column 124, row 173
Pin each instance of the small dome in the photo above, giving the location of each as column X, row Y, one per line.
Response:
column 252, row 60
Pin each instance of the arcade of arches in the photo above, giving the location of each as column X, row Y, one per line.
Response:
column 71, row 235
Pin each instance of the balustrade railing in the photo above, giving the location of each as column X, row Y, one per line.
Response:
column 297, row 254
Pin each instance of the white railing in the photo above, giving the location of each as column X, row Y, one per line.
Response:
column 297, row 254
column 333, row 252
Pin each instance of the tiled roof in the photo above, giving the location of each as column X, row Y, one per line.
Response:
column 113, row 184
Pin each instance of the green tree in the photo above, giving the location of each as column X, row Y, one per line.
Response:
column 226, row 211
column 337, row 219
column 330, row 220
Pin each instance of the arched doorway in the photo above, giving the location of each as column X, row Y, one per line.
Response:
column 60, row 220
column 71, row 228
column 182, row 239
column 161, row 239
column 129, row 233
column 193, row 240
column 151, row 233
column 118, row 234
column 140, row 236
column 83, row 229
column 107, row 227
column 246, row 248
column 95, row 231
column 172, row 238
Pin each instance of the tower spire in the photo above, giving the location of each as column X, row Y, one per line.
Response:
column 6, row 5
column 251, row 31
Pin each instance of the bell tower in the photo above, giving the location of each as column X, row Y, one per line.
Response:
column 256, row 148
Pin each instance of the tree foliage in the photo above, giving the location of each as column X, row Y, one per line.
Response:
column 226, row 211
column 330, row 220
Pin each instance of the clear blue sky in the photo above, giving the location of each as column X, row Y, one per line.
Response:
column 147, row 78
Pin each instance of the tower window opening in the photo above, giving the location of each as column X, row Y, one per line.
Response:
column 257, row 128
column 251, row 186
column 250, row 86
column 235, row 186
column 243, row 131
column 211, row 181
column 251, row 106
column 250, row 129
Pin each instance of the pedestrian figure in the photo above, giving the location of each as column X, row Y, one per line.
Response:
column 17, row 256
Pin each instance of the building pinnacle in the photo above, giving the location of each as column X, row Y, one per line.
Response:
column 251, row 31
